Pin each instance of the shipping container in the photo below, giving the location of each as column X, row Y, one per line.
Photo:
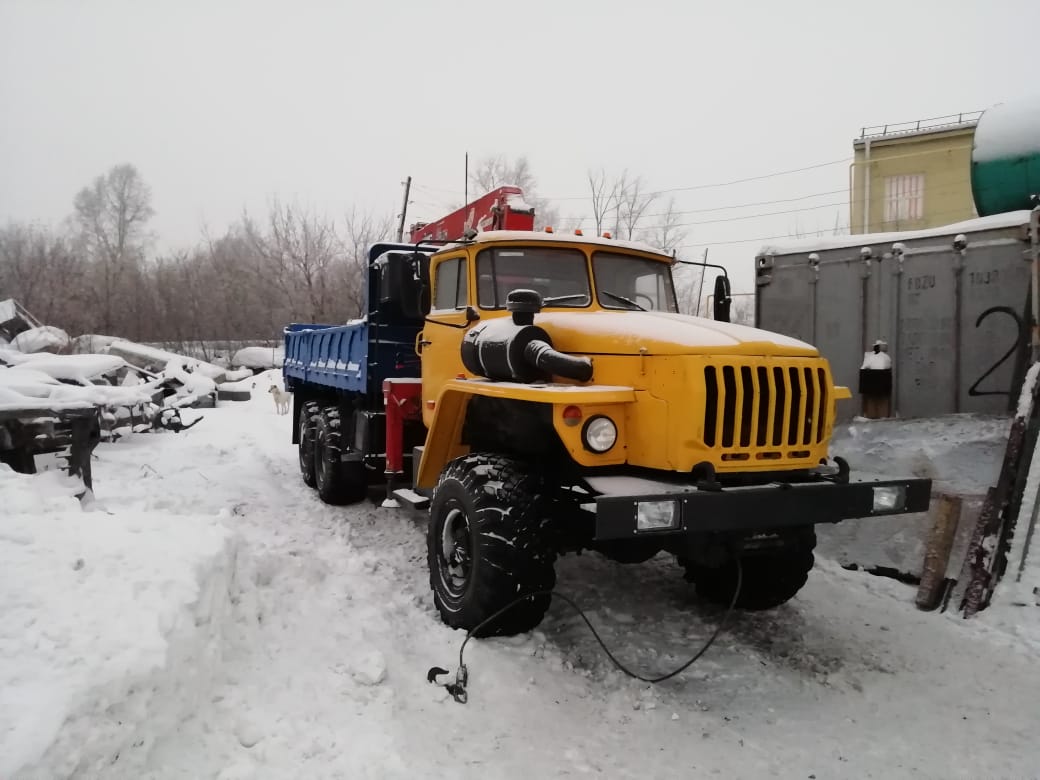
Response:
column 951, row 304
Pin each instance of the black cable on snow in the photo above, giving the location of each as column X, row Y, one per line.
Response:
column 458, row 688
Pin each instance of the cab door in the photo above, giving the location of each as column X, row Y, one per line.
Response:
column 445, row 326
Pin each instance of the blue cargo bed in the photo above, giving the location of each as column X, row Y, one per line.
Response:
column 347, row 357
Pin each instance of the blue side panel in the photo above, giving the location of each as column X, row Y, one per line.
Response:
column 328, row 355
column 350, row 358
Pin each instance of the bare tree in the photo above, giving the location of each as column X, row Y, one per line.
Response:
column 112, row 215
column 605, row 197
column 619, row 202
column 634, row 201
column 667, row 235
column 498, row 171
column 360, row 232
column 40, row 267
column 299, row 250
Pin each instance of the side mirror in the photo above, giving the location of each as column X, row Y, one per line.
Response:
column 722, row 299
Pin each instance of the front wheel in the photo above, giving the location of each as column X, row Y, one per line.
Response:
column 771, row 576
column 488, row 543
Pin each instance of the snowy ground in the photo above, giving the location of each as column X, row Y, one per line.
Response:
column 211, row 618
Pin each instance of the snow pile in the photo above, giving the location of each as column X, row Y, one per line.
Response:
column 27, row 381
column 91, row 343
column 46, row 338
column 112, row 628
column 12, row 357
column 26, row 387
column 259, row 357
column 1008, row 131
column 8, row 311
column 81, row 369
column 154, row 359
column 1025, row 397
column 820, row 244
column 876, row 361
column 193, row 383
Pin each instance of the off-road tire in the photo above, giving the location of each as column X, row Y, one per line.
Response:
column 497, row 513
column 338, row 481
column 769, row 578
column 305, row 447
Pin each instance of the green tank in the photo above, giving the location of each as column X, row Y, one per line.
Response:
column 1005, row 157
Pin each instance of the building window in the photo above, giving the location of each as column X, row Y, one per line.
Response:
column 904, row 198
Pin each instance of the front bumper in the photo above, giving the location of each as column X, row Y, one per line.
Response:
column 757, row 509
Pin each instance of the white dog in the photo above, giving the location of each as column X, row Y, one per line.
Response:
column 281, row 399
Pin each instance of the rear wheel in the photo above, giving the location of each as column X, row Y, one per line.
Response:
column 771, row 576
column 488, row 542
column 338, row 481
column 305, row 433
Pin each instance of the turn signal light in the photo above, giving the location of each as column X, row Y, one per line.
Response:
column 571, row 415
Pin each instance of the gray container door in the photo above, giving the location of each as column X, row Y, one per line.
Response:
column 923, row 351
column 995, row 284
column 842, row 300
column 785, row 301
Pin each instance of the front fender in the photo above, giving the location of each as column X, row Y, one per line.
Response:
column 444, row 439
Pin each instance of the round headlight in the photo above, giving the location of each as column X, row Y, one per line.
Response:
column 600, row 434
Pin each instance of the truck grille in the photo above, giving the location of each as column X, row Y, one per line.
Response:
column 780, row 405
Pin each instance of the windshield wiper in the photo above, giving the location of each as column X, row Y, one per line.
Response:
column 559, row 298
column 621, row 299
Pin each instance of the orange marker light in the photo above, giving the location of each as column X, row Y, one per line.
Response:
column 606, row 234
column 548, row 229
column 577, row 232
column 572, row 415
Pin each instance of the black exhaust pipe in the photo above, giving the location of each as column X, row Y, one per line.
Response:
column 541, row 354
column 517, row 350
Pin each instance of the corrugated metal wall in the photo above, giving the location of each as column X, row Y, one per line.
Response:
column 955, row 320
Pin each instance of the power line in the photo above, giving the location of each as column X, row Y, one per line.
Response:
column 690, row 188
column 950, row 186
column 758, row 216
column 727, row 208
column 788, row 236
column 716, row 185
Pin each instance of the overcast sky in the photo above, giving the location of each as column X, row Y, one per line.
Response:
column 222, row 105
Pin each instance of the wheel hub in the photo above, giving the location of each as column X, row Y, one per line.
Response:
column 456, row 555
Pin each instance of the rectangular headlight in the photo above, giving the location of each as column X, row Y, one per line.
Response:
column 890, row 498
column 656, row 515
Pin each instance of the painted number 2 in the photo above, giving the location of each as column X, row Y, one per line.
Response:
column 973, row 391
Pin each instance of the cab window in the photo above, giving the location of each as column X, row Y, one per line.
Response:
column 449, row 285
column 633, row 283
column 560, row 276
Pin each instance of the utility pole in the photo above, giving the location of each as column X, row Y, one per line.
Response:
column 404, row 209
column 700, row 291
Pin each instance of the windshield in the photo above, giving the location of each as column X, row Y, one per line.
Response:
column 560, row 276
column 634, row 283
